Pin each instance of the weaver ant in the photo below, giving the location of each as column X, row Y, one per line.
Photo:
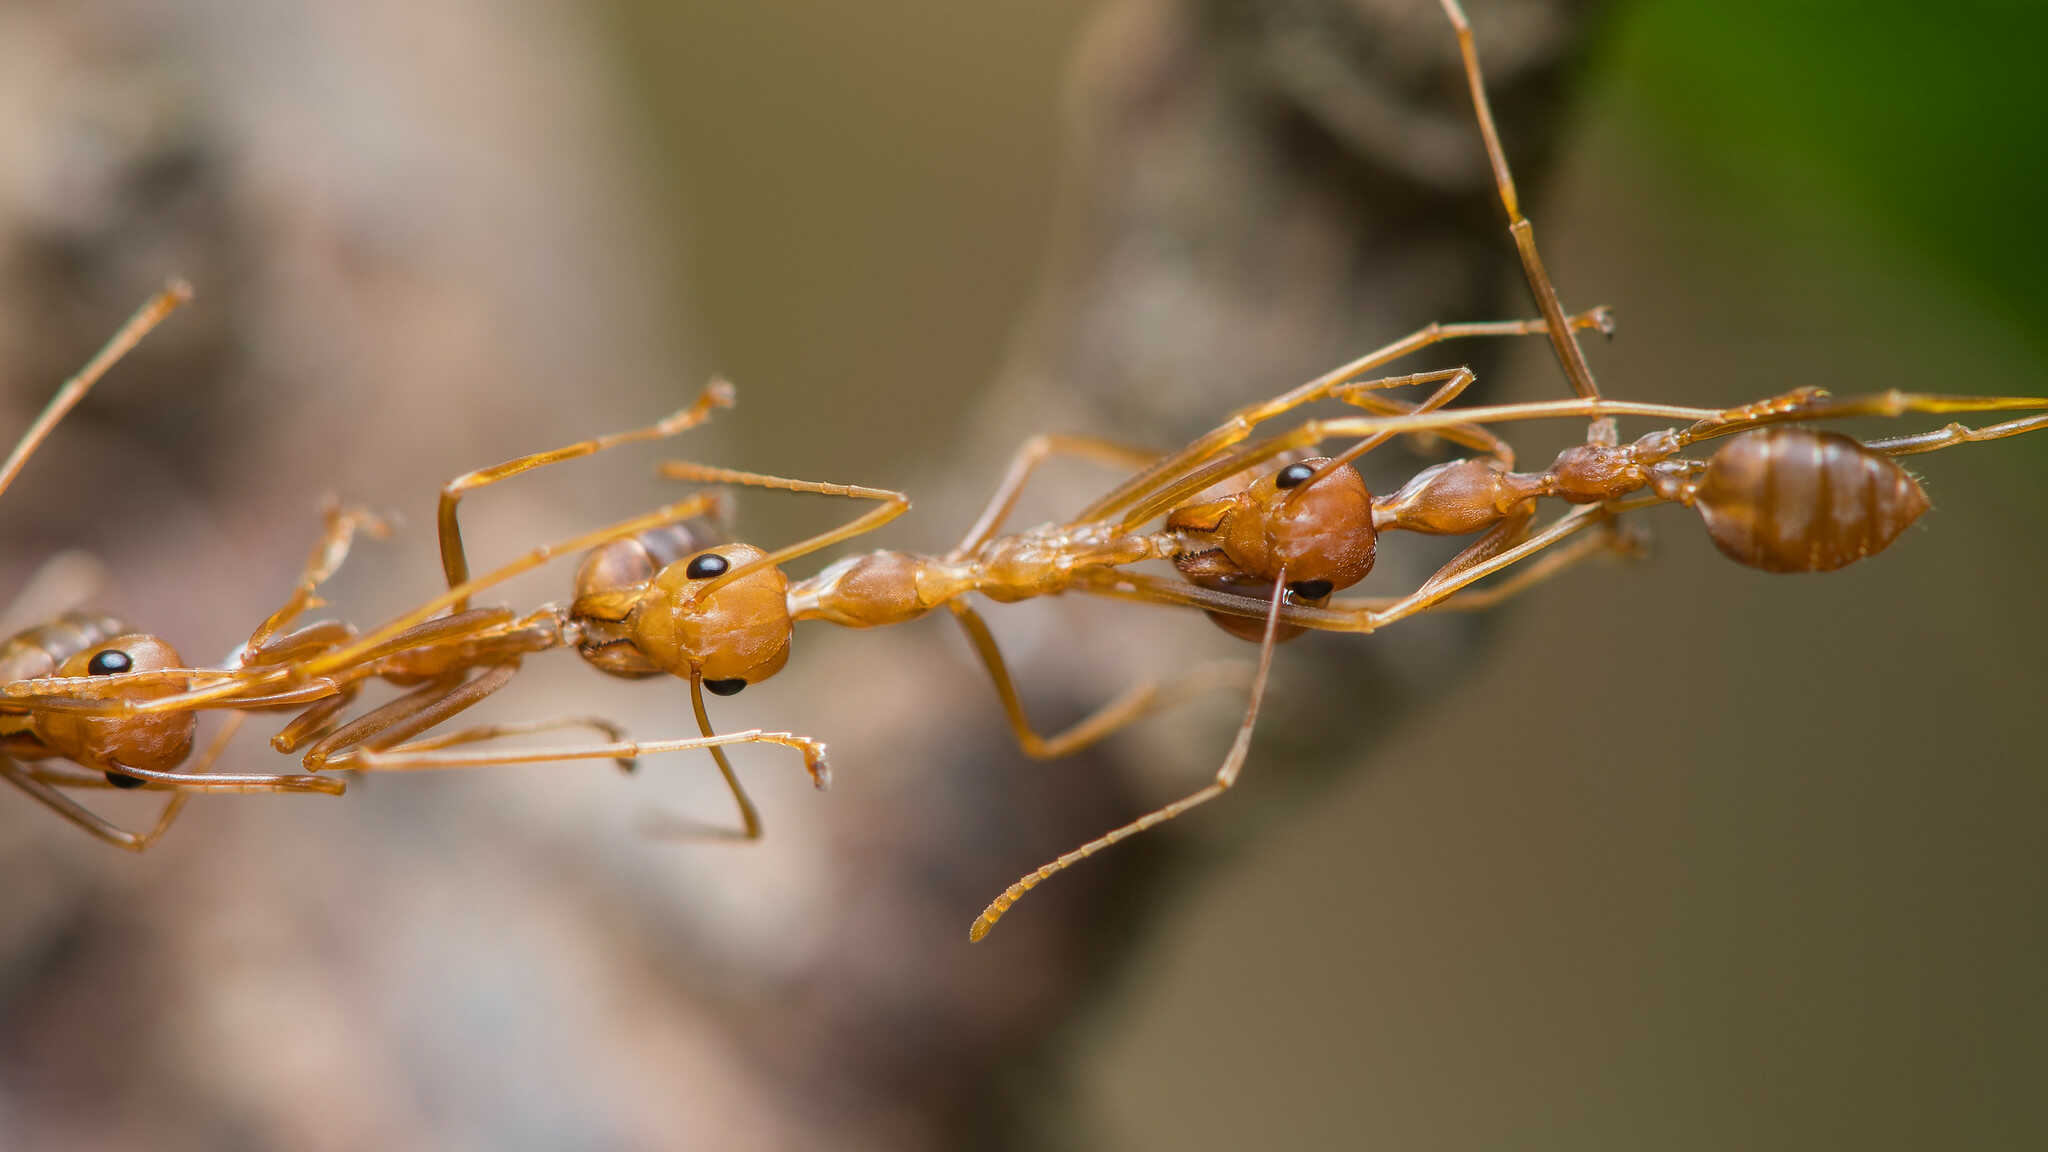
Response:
column 666, row 593
column 1777, row 497
column 59, row 674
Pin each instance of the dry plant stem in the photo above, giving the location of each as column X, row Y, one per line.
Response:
column 1569, row 355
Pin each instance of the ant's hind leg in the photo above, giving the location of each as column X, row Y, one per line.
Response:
column 1141, row 700
column 84, row 817
column 406, row 717
column 342, row 524
column 1226, row 776
column 893, row 504
column 427, row 756
column 455, row 564
column 1609, row 538
column 1145, row 486
column 612, row 733
column 1953, row 434
column 1030, row 455
column 1816, row 404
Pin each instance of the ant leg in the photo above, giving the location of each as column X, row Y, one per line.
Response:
column 42, row 694
column 894, row 504
column 228, row 687
column 380, row 641
column 423, row 757
column 1241, row 422
column 1816, row 404
column 44, row 791
column 406, row 758
column 1455, row 381
column 77, row 813
column 750, row 817
column 312, row 724
column 241, row 782
column 1505, row 534
column 1476, row 437
column 1034, row 452
column 1225, row 777
column 455, row 564
column 1187, row 485
column 1360, row 614
column 1443, row 585
column 483, row 732
column 300, row 644
column 73, row 390
column 407, row 716
column 322, row 562
column 1141, row 700
column 1954, row 434
column 1610, row 539
column 1569, row 356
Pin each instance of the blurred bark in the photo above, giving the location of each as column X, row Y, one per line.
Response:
column 1256, row 191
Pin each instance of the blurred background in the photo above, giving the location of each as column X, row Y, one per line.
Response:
column 1666, row 853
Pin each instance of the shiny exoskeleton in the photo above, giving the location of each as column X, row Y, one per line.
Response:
column 1790, row 499
column 89, row 702
column 82, row 645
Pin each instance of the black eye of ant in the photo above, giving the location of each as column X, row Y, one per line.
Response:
column 705, row 566
column 725, row 687
column 123, row 780
column 1293, row 475
column 1311, row 589
column 109, row 663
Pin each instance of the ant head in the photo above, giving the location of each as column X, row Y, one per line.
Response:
column 730, row 631
column 157, row 742
column 1321, row 532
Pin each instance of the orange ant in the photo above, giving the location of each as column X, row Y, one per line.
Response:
column 665, row 593
column 59, row 673
column 1780, row 498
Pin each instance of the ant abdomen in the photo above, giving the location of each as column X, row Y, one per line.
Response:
column 39, row 651
column 635, row 559
column 1790, row 499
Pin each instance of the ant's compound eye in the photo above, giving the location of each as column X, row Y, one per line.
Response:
column 1311, row 589
column 706, row 566
column 1294, row 475
column 123, row 780
column 110, row 662
column 725, row 687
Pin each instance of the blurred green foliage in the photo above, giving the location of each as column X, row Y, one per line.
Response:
column 1921, row 123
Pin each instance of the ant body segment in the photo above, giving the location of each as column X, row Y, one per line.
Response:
column 59, row 673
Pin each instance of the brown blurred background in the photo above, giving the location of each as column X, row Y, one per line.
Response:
column 1666, row 854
